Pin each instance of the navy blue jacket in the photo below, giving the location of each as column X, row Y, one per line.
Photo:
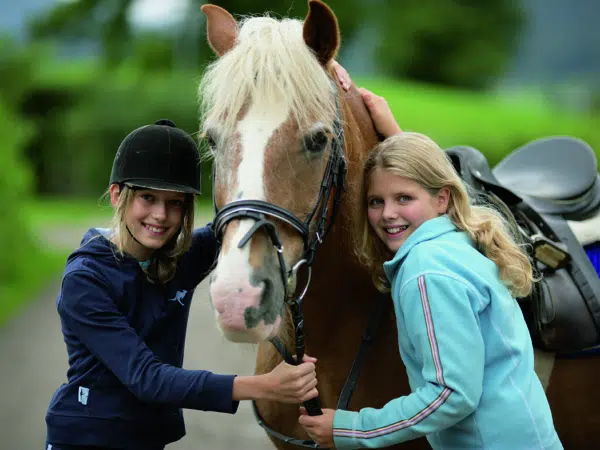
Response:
column 125, row 340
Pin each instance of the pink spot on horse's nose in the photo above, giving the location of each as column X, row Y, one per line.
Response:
column 232, row 299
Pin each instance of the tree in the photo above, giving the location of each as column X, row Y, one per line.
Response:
column 349, row 13
column 103, row 21
column 464, row 43
column 106, row 22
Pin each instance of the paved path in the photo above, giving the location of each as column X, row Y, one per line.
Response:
column 34, row 364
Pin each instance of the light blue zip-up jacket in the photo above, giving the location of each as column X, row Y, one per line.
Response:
column 467, row 351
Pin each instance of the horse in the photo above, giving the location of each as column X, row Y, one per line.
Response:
column 288, row 146
column 270, row 107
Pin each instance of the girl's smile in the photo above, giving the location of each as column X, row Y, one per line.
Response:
column 155, row 230
column 396, row 231
column 153, row 217
column 397, row 206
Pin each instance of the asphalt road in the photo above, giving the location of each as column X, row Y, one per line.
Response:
column 34, row 364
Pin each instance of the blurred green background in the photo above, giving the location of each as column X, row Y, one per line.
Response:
column 77, row 75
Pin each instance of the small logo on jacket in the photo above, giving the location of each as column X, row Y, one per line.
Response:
column 83, row 395
column 179, row 295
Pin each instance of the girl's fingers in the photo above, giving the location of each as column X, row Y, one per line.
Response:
column 307, row 358
column 306, row 421
column 342, row 75
column 307, row 379
column 310, row 394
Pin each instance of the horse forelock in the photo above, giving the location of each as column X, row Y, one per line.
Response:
column 270, row 63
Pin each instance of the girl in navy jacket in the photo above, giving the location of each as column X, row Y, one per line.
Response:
column 124, row 305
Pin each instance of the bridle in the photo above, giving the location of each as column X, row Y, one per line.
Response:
column 264, row 213
column 333, row 183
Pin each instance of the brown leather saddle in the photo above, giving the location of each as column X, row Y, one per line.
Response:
column 538, row 187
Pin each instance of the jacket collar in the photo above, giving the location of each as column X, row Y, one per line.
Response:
column 429, row 230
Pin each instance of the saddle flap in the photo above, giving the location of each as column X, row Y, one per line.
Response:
column 567, row 305
column 564, row 323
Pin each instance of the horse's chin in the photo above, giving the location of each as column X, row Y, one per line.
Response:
column 260, row 333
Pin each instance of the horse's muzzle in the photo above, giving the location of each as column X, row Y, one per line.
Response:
column 247, row 304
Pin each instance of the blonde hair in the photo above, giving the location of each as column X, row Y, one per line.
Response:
column 418, row 158
column 164, row 260
column 270, row 63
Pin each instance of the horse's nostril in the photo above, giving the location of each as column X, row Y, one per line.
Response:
column 251, row 317
column 267, row 288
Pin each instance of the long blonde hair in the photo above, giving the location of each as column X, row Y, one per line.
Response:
column 164, row 260
column 418, row 158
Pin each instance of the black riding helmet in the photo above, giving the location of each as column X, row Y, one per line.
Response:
column 158, row 156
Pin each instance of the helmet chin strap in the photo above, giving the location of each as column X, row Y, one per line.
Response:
column 122, row 186
column 133, row 237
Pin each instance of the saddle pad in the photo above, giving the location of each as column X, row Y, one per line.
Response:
column 587, row 231
column 593, row 252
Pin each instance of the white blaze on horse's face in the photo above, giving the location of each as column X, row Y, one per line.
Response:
column 270, row 103
column 238, row 289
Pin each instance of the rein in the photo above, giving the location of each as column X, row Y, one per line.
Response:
column 349, row 385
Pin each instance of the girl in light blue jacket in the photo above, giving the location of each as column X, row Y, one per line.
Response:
column 454, row 271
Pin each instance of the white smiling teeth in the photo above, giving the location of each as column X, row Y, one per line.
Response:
column 396, row 229
column 154, row 229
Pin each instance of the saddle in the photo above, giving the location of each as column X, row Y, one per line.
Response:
column 542, row 188
column 555, row 176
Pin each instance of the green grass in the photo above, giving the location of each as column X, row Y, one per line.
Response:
column 49, row 211
column 494, row 123
column 45, row 266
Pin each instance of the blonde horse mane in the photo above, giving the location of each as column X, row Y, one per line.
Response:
column 269, row 63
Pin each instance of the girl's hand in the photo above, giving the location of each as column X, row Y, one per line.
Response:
column 341, row 75
column 292, row 384
column 319, row 428
column 381, row 114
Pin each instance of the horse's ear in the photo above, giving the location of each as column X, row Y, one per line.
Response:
column 221, row 28
column 321, row 31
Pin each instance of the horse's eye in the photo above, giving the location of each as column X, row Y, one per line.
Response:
column 211, row 141
column 316, row 142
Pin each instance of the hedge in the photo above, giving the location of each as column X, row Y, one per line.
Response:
column 78, row 142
